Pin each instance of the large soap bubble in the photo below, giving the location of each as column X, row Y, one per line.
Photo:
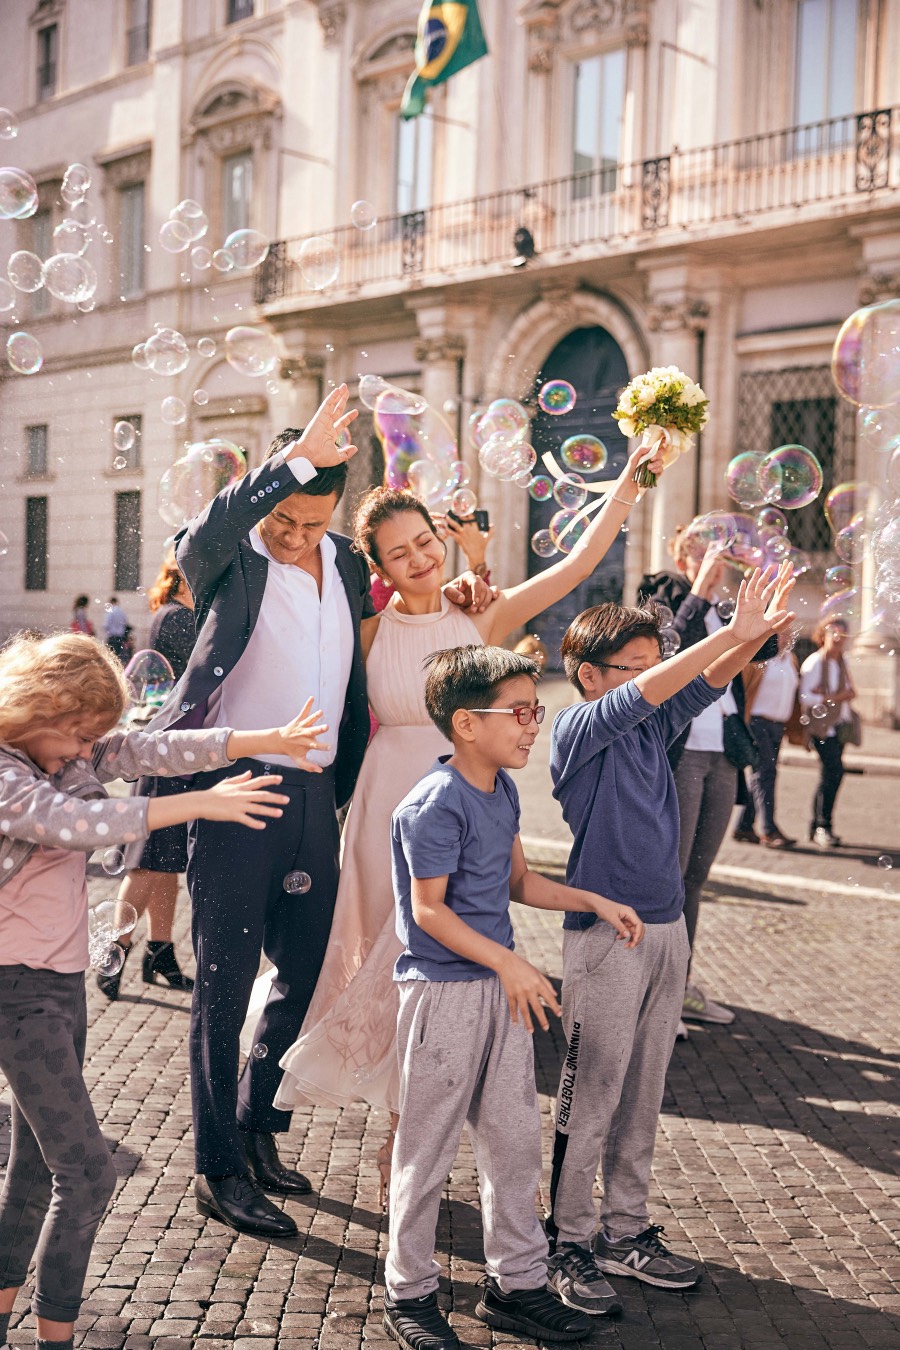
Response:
column 111, row 919
column 377, row 393
column 192, row 481
column 174, row 236
column 505, row 417
column 70, row 236
column 363, row 215
column 7, row 296
column 248, row 248
column 70, row 277
column 319, row 262
column 425, row 480
column 251, row 351
column 124, row 435
column 557, row 397
column 75, row 183
column 191, row 214
column 18, row 194
column 717, row 528
column 565, row 529
column 540, row 488
column 843, row 502
column 750, row 481
column 464, row 502
column 167, row 352
column 23, row 352
column 9, row 125
column 798, row 475
column 150, row 676
column 173, row 411
column 542, row 544
column 569, row 492
column 852, row 542
column 865, row 361
column 838, row 578
column 583, row 454
column 410, row 437
column 25, row 271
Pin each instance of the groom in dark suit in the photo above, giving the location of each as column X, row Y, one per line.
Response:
column 278, row 603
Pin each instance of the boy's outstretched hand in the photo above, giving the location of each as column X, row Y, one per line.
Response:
column 760, row 604
column 623, row 918
column 527, row 991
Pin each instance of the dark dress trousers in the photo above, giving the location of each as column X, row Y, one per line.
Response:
column 235, row 874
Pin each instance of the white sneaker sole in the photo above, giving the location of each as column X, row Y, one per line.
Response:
column 610, row 1267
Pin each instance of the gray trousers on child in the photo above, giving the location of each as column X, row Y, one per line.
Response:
column 464, row 1061
column 60, row 1174
column 620, row 1013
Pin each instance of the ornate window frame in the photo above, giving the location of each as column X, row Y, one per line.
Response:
column 232, row 116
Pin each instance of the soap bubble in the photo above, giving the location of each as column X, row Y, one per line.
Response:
column 150, row 676
column 251, row 351
column 201, row 258
column 139, row 356
column 798, row 474
column 844, row 502
column 167, row 352
column 70, row 277
column 671, row 641
column 111, row 919
column 297, row 883
column 206, row 346
column 124, row 435
column 319, row 262
column 518, row 461
column 113, row 862
column 70, row 236
column 505, row 417
column 9, row 125
column 569, row 492
column 852, row 542
column 174, row 236
column 885, row 862
column 363, row 215
column 173, row 411
column 542, row 544
column 540, row 488
column 477, row 438
column 865, row 361
column 248, row 248
column 7, row 296
column 773, row 519
column 843, row 607
column 389, row 399
column 200, row 397
column 25, row 271
column 877, row 426
column 260, row 1051
column 584, row 454
column 4, row 545
column 838, row 578
column 75, row 183
column 222, row 260
column 565, row 529
column 716, row 527
column 464, row 501
column 192, row 215
column 18, row 194
column 23, row 352
column 750, row 480
column 425, row 480
column 557, row 397
column 775, row 545
column 120, row 462
column 201, row 474
column 460, row 476
column 107, row 961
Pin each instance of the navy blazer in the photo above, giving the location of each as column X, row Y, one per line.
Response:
column 227, row 578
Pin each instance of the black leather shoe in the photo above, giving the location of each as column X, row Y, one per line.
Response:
column 238, row 1202
column 268, row 1169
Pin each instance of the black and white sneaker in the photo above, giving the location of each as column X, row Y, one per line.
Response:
column 576, row 1279
column 530, row 1312
column 418, row 1324
column 645, row 1258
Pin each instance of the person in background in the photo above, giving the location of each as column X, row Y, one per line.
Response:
column 533, row 647
column 770, row 701
column 80, row 621
column 826, row 692
column 116, row 627
column 154, row 864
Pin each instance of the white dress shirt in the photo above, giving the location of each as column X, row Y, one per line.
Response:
column 302, row 645
column 706, row 729
column 775, row 692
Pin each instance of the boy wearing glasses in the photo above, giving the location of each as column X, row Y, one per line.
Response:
column 612, row 778
column 467, row 1004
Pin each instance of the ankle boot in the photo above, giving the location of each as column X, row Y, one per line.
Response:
column 109, row 984
column 159, row 959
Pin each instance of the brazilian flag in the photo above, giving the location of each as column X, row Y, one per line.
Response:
column 449, row 38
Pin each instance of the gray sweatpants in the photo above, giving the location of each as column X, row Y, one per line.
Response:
column 60, row 1174
column 464, row 1061
column 620, row 1013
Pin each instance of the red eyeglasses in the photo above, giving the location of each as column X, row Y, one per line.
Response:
column 522, row 715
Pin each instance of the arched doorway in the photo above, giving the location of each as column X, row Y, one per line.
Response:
column 592, row 361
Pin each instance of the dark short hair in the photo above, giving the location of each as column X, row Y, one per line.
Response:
column 81, row 601
column 598, row 633
column 331, row 479
column 818, row 633
column 470, row 677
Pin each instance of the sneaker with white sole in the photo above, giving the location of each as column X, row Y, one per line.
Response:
column 576, row 1279
column 646, row 1258
column 682, row 1033
column 698, row 1008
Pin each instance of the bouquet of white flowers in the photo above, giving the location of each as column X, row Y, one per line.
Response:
column 667, row 407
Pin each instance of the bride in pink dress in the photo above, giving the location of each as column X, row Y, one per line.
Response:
column 346, row 1050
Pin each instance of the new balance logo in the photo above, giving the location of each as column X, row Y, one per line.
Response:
column 635, row 1259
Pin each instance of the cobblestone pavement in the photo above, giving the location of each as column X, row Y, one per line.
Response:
column 776, row 1163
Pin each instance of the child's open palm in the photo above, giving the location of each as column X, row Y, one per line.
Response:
column 302, row 735
column 760, row 604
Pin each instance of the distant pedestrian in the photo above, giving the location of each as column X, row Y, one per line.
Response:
column 770, row 702
column 80, row 621
column 826, row 693
column 116, row 627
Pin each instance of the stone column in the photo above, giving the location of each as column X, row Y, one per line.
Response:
column 440, row 358
column 303, row 376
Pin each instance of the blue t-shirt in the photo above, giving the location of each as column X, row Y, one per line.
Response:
column 613, row 781
column 447, row 827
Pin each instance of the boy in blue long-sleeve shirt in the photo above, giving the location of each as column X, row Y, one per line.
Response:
column 612, row 778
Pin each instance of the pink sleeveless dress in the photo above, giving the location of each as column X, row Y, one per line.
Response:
column 346, row 1050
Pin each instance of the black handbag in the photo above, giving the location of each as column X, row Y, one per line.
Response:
column 738, row 743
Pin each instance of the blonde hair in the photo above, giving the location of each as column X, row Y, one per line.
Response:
column 533, row 647
column 46, row 679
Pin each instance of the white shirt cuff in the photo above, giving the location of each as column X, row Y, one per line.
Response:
column 302, row 470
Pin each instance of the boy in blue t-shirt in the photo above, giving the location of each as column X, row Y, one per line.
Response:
column 612, row 778
column 467, row 1002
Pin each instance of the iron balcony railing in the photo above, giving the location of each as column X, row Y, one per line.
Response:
column 840, row 161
